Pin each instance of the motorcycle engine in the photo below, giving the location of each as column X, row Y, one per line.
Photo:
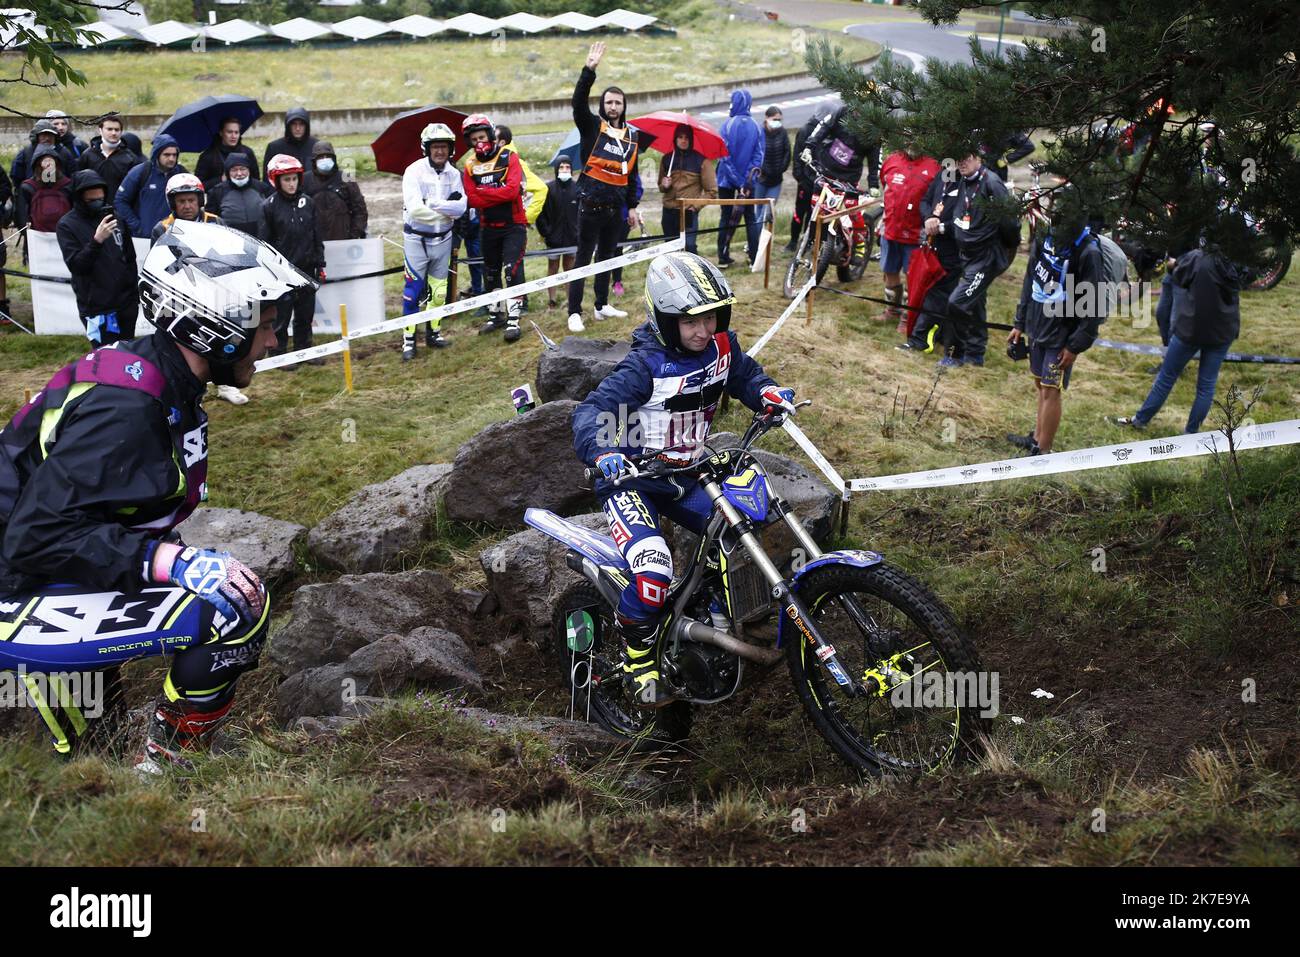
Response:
column 703, row 673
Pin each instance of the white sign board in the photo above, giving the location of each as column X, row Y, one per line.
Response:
column 364, row 297
column 55, row 307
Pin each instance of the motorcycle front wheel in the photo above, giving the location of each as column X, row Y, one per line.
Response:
column 924, row 687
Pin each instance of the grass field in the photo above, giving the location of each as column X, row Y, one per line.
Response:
column 414, row 73
column 1146, row 656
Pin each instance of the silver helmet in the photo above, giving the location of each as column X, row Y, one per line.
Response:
column 683, row 284
column 204, row 285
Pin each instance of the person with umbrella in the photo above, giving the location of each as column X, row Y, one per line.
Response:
column 432, row 200
column 212, row 161
column 931, row 286
column 609, row 153
column 684, row 173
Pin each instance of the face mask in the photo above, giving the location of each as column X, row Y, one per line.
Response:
column 239, row 180
column 95, row 205
column 564, row 176
column 773, row 124
column 325, row 164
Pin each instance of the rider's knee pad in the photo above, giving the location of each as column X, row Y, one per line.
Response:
column 652, row 571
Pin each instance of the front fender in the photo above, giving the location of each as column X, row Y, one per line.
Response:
column 858, row 558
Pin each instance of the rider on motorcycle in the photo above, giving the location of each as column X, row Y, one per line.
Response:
column 835, row 151
column 661, row 400
column 106, row 460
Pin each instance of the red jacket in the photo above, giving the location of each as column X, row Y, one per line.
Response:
column 905, row 181
column 496, row 188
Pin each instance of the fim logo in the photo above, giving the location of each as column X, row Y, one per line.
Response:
column 967, row 473
column 1121, row 454
column 951, row 689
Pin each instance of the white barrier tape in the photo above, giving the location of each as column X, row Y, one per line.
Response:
column 1105, row 456
column 806, row 444
column 515, row 292
column 789, row 311
column 302, row 355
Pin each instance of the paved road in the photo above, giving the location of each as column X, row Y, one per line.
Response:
column 916, row 42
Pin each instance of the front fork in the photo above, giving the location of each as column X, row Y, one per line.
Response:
column 782, row 593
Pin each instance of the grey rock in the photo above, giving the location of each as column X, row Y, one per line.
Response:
column 523, row 462
column 574, row 739
column 264, row 544
column 527, row 574
column 426, row 658
column 332, row 620
column 319, row 726
column 381, row 521
column 577, row 367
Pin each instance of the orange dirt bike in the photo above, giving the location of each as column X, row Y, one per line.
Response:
column 846, row 240
column 861, row 638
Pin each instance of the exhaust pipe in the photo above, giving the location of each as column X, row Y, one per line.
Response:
column 698, row 631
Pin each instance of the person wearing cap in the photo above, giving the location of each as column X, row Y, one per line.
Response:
column 108, row 155
column 44, row 133
column 340, row 207
column 211, row 165
column 238, row 197
column 101, row 258
column 72, row 144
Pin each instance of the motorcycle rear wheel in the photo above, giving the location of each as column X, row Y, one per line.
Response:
column 607, row 702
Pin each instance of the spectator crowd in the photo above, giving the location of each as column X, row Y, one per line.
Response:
column 97, row 196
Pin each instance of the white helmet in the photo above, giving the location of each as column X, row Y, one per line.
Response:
column 435, row 133
column 204, row 285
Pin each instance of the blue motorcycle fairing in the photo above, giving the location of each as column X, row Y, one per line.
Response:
column 749, row 493
column 599, row 548
column 858, row 558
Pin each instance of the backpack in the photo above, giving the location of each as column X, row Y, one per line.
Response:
column 107, row 366
column 1114, row 263
column 48, row 205
column 1114, row 272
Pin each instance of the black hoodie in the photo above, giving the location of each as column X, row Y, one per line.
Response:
column 299, row 149
column 211, row 165
column 104, row 274
column 241, row 207
column 113, row 167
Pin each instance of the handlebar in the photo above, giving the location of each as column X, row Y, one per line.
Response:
column 656, row 468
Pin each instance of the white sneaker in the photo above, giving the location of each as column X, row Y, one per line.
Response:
column 609, row 312
column 231, row 394
column 575, row 323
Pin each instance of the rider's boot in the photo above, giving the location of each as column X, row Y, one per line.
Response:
column 408, row 344
column 641, row 664
column 177, row 727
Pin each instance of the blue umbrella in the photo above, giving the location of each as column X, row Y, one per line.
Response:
column 196, row 124
column 571, row 147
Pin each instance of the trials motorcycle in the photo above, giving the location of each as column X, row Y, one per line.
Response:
column 855, row 631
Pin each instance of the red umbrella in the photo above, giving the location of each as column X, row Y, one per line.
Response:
column 662, row 125
column 923, row 271
column 399, row 146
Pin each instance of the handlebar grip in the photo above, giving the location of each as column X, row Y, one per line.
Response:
column 592, row 475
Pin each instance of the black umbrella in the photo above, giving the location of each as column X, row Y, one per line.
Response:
column 195, row 125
